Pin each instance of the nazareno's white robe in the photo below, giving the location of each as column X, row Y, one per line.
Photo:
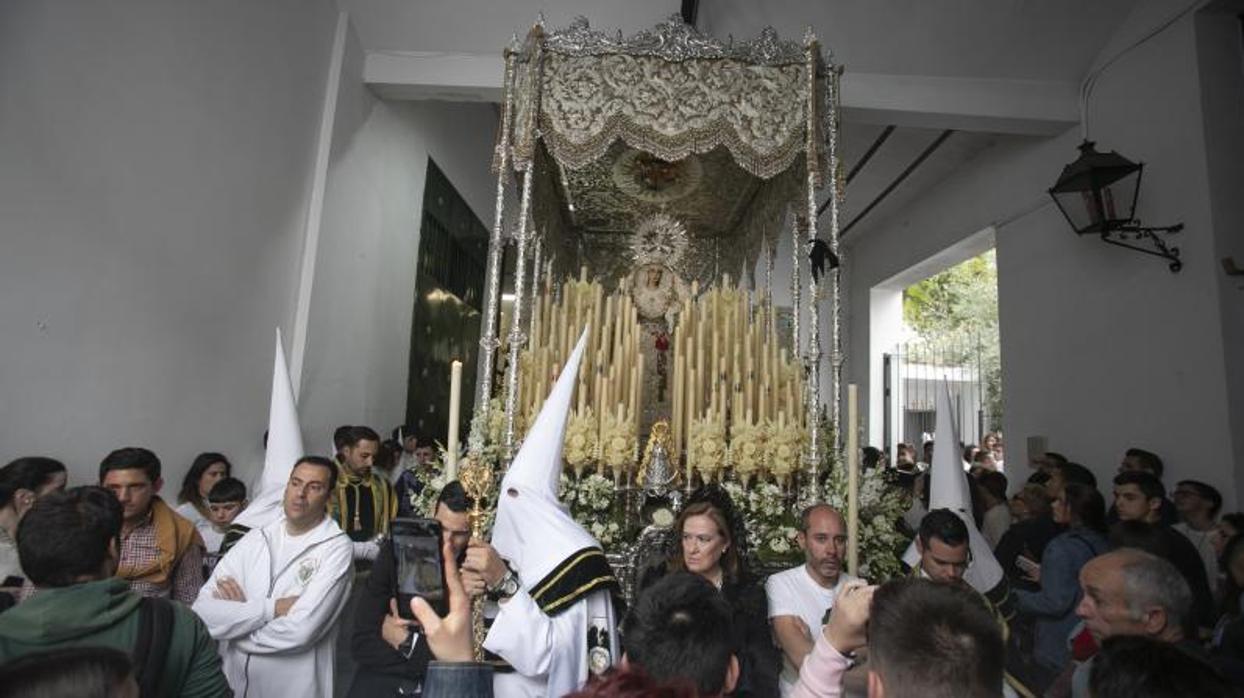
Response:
column 292, row 655
column 548, row 653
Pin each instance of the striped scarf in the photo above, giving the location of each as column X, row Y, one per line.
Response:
column 363, row 506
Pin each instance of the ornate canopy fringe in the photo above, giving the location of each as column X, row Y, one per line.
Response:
column 670, row 92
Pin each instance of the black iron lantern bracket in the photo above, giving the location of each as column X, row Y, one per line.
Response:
column 1142, row 239
column 1097, row 194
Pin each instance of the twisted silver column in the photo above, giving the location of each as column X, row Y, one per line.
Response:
column 517, row 336
column 488, row 342
column 813, row 357
column 836, row 355
column 796, row 286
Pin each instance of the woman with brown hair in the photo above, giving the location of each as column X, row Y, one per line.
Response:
column 205, row 471
column 1052, row 607
column 710, row 540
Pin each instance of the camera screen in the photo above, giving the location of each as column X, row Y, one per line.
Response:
column 418, row 566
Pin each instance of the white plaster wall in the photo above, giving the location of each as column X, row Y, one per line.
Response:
column 885, row 329
column 1102, row 348
column 154, row 162
column 1136, row 356
column 358, row 340
column 1222, row 96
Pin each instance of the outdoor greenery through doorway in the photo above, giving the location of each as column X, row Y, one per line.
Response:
column 954, row 316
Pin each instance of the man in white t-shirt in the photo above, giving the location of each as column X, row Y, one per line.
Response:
column 800, row 598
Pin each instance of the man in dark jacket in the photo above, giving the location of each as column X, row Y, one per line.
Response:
column 69, row 544
column 1138, row 497
column 392, row 657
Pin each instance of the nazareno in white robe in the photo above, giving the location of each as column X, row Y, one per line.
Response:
column 561, row 625
column 292, row 655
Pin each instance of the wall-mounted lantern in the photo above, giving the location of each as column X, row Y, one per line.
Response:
column 1097, row 193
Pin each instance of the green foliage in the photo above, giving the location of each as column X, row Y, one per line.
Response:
column 955, row 316
column 962, row 300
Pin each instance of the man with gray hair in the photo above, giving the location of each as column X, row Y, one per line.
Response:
column 1132, row 592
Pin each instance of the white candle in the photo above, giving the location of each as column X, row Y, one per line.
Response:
column 455, row 401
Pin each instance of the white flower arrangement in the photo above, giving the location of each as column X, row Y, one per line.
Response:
column 747, row 450
column 617, row 444
column 580, row 447
column 784, row 449
column 767, row 518
column 433, row 481
column 708, row 441
column 596, row 493
column 591, row 503
column 487, row 432
column 496, row 421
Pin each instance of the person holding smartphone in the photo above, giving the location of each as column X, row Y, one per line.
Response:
column 388, row 648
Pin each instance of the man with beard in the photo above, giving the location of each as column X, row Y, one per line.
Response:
column 363, row 502
column 800, row 598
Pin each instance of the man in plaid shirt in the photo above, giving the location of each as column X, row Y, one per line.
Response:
column 161, row 551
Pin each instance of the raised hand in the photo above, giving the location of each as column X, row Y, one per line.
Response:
column 227, row 589
column 848, row 621
column 283, row 605
column 482, row 559
column 449, row 638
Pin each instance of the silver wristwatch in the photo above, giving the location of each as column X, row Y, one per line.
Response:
column 507, row 587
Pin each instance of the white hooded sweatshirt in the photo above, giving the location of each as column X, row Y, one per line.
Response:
column 292, row 655
column 560, row 625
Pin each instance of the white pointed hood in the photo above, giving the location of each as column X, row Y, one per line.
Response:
column 948, row 489
column 284, row 448
column 533, row 530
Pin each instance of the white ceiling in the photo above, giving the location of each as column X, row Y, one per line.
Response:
column 1007, row 39
column 898, row 151
column 485, row 26
column 1013, row 41
column 1000, row 39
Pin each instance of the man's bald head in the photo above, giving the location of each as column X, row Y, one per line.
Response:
column 819, row 511
column 823, row 538
column 1132, row 592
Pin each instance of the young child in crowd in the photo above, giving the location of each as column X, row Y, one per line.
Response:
column 225, row 501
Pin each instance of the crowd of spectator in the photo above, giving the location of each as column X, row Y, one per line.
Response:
column 1107, row 591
